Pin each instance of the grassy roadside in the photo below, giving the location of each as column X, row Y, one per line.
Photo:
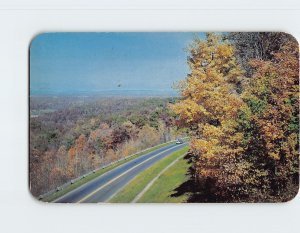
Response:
column 92, row 176
column 139, row 183
column 163, row 187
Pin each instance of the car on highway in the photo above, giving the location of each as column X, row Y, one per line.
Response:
column 179, row 141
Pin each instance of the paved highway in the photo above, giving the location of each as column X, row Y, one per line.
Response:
column 104, row 187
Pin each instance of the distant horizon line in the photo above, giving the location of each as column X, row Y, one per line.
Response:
column 108, row 93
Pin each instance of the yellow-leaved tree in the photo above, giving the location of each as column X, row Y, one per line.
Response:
column 210, row 106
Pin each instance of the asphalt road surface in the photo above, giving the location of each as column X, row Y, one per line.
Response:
column 104, row 187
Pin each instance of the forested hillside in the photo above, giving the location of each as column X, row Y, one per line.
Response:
column 241, row 104
column 70, row 136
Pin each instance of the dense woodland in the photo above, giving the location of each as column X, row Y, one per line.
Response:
column 70, row 136
column 241, row 104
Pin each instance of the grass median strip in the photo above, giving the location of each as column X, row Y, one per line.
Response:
column 92, row 176
column 131, row 190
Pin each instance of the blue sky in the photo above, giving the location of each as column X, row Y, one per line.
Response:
column 89, row 63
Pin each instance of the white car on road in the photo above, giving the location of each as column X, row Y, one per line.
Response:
column 179, row 141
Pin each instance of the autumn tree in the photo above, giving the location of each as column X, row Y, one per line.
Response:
column 256, row 45
column 271, row 123
column 209, row 107
column 245, row 142
column 148, row 136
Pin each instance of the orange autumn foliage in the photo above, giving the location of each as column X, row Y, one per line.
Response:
column 272, row 97
column 244, row 132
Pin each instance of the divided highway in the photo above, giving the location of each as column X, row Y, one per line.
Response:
column 104, row 187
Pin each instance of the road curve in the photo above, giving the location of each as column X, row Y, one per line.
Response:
column 104, row 187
